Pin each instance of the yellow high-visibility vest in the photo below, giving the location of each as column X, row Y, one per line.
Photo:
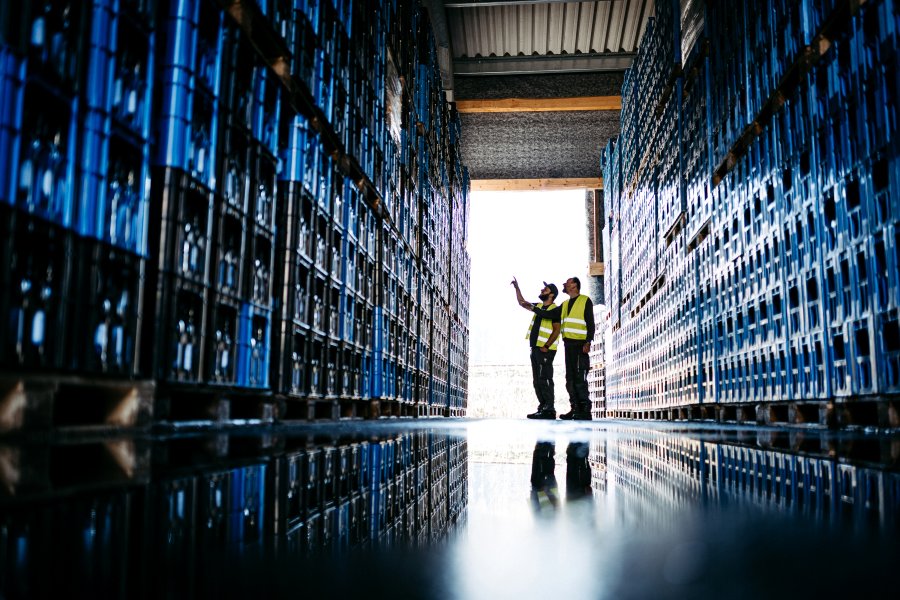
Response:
column 574, row 327
column 545, row 330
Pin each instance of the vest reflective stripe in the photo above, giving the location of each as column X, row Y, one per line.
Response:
column 546, row 328
column 574, row 327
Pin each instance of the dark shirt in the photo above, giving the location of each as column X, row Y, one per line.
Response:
column 554, row 314
column 588, row 318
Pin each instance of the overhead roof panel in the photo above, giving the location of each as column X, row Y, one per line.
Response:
column 542, row 27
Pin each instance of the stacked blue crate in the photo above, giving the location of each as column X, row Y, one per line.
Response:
column 795, row 266
column 41, row 74
column 13, row 69
column 115, row 134
column 190, row 42
column 47, row 59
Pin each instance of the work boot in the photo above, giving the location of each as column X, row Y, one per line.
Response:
column 577, row 413
column 543, row 413
column 569, row 415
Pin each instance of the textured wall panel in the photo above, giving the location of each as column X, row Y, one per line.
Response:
column 536, row 145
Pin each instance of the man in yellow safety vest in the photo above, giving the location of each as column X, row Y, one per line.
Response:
column 542, row 336
column 577, row 317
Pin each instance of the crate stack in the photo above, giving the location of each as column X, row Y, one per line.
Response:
column 596, row 377
column 776, row 213
column 74, row 83
column 235, row 205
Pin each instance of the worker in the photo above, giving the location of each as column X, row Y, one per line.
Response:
column 577, row 316
column 542, row 335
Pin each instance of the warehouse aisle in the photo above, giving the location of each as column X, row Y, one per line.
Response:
column 459, row 509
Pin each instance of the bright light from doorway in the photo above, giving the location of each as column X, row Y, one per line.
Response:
column 536, row 237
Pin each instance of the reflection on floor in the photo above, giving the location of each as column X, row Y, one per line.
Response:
column 461, row 509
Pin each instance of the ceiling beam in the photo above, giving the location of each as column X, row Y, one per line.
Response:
column 533, row 185
column 511, row 105
column 522, row 65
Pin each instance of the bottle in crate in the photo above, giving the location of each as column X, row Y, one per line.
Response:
column 264, row 188
column 114, row 199
column 52, row 37
column 259, row 289
column 177, row 338
column 109, row 296
column 224, row 332
column 181, row 225
column 316, row 368
column 45, row 171
column 38, row 278
column 254, row 347
column 235, row 178
column 290, row 375
column 238, row 93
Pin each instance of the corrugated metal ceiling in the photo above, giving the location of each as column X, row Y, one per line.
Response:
column 547, row 28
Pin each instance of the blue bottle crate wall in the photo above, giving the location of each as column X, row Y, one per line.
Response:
column 785, row 258
column 220, row 221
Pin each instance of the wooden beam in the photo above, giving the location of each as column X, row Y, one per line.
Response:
column 596, row 269
column 524, row 185
column 508, row 105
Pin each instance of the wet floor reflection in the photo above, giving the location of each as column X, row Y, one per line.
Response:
column 452, row 509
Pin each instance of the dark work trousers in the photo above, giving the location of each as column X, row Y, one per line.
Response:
column 542, row 375
column 577, row 365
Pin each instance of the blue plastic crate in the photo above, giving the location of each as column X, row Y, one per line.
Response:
column 114, row 207
column 45, row 171
column 862, row 356
column 267, row 108
column 293, row 149
column 887, row 351
column 12, row 86
column 188, row 143
column 189, row 60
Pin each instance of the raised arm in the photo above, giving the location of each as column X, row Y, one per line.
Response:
column 521, row 299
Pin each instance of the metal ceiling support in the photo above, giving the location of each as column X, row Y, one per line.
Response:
column 520, row 65
column 495, row 3
column 438, row 16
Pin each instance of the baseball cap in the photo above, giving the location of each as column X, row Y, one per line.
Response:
column 553, row 289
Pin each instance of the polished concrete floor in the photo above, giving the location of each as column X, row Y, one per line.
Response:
column 453, row 509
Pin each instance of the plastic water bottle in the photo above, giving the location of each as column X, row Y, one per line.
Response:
column 223, row 354
column 296, row 372
column 299, row 303
column 184, row 358
column 263, row 206
column 101, row 333
column 233, row 183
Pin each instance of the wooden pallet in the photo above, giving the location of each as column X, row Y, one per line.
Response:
column 46, row 401
column 187, row 405
column 869, row 412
